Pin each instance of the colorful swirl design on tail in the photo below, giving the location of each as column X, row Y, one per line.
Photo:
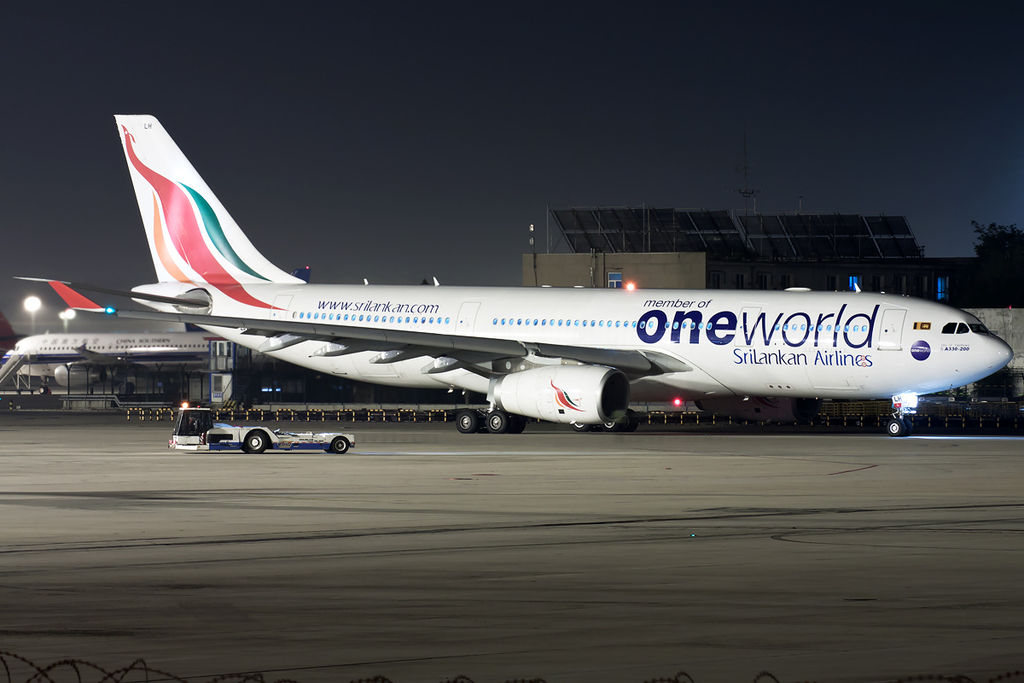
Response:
column 186, row 236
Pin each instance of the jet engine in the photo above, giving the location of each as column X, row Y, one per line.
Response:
column 759, row 408
column 81, row 376
column 74, row 375
column 584, row 394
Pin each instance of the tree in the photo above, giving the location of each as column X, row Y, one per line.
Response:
column 997, row 276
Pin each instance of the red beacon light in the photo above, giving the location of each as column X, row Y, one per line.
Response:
column 677, row 402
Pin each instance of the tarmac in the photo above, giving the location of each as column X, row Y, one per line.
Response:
column 424, row 554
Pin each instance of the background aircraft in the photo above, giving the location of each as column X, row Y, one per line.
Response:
column 76, row 360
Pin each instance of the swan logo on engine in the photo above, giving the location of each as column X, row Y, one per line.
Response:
column 563, row 400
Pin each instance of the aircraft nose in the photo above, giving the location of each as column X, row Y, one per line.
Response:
column 1001, row 353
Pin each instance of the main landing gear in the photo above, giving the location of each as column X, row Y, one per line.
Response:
column 904, row 406
column 629, row 423
column 469, row 421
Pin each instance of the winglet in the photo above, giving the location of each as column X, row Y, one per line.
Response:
column 73, row 299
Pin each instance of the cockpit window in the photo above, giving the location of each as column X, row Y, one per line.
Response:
column 978, row 328
column 961, row 328
column 949, row 328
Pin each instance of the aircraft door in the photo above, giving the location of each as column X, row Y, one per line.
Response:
column 890, row 333
column 467, row 317
column 280, row 309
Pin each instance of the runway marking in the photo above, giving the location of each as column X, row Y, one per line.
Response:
column 856, row 469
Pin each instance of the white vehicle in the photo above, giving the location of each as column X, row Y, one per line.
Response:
column 195, row 430
column 572, row 356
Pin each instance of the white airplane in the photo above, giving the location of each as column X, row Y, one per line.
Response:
column 574, row 356
column 76, row 359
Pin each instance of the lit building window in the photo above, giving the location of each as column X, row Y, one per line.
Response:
column 614, row 280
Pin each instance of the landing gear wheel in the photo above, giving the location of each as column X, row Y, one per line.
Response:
column 611, row 426
column 498, row 422
column 255, row 442
column 896, row 427
column 468, row 421
column 339, row 445
column 577, row 427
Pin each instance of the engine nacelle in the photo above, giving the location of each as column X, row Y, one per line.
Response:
column 768, row 409
column 71, row 375
column 82, row 376
column 585, row 394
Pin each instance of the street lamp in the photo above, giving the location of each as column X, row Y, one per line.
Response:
column 33, row 304
column 65, row 316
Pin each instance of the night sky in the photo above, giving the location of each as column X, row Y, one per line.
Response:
column 398, row 141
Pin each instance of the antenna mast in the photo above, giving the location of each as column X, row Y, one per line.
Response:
column 746, row 191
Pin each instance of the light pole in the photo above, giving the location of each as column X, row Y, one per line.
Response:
column 65, row 316
column 33, row 304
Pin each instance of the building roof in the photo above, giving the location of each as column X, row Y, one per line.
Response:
column 724, row 235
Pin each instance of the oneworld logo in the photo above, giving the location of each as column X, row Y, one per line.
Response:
column 920, row 350
column 796, row 329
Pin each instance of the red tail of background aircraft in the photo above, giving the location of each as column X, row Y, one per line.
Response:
column 7, row 337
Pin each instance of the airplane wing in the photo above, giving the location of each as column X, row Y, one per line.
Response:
column 97, row 358
column 449, row 351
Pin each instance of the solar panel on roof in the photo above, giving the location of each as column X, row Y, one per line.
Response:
column 725, row 235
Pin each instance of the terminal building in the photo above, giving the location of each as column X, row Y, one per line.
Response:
column 656, row 248
column 698, row 249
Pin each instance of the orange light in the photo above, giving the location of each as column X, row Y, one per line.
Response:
column 184, row 405
column 630, row 286
column 677, row 402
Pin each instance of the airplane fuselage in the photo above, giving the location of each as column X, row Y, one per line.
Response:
column 51, row 355
column 759, row 343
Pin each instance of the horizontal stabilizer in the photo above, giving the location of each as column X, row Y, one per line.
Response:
column 71, row 289
column 73, row 299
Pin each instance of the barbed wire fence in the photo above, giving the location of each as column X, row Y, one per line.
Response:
column 15, row 668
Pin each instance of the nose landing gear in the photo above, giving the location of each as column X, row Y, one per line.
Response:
column 904, row 406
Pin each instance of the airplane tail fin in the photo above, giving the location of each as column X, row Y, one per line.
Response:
column 5, row 327
column 192, row 237
column 7, row 337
